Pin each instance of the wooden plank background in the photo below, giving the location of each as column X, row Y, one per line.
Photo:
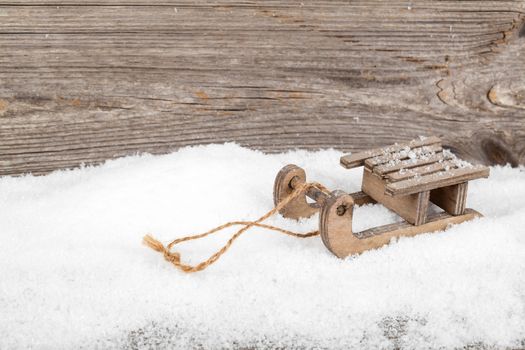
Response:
column 85, row 81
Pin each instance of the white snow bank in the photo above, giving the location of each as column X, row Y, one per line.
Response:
column 75, row 274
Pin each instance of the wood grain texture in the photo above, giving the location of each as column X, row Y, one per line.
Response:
column 408, row 206
column 452, row 199
column 85, row 81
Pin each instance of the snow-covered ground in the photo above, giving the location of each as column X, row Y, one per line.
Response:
column 73, row 271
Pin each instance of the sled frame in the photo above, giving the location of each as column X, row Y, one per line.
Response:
column 405, row 178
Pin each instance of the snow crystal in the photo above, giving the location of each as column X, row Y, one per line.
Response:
column 75, row 274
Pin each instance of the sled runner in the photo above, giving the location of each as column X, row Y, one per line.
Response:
column 405, row 178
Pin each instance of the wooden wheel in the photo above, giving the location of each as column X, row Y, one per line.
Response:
column 297, row 208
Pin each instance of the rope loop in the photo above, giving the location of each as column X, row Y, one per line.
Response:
column 175, row 259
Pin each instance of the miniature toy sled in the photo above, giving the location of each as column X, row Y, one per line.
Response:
column 405, row 178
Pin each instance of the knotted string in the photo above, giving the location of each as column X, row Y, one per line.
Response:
column 175, row 259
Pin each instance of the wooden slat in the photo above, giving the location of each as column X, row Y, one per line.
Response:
column 435, row 222
column 355, row 160
column 436, row 180
column 361, row 198
column 420, row 171
column 382, row 170
column 401, row 155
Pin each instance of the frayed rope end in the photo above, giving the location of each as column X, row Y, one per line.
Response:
column 153, row 244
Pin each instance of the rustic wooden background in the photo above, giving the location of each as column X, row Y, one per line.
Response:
column 84, row 81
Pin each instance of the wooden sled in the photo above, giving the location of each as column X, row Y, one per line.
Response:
column 402, row 177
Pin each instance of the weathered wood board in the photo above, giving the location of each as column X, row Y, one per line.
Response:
column 84, row 81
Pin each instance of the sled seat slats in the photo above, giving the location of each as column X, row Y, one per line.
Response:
column 403, row 165
column 358, row 159
column 420, row 171
column 407, row 177
column 436, row 180
column 396, row 157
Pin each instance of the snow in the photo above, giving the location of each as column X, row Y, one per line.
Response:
column 74, row 273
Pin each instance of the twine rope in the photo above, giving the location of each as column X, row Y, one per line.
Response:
column 175, row 258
